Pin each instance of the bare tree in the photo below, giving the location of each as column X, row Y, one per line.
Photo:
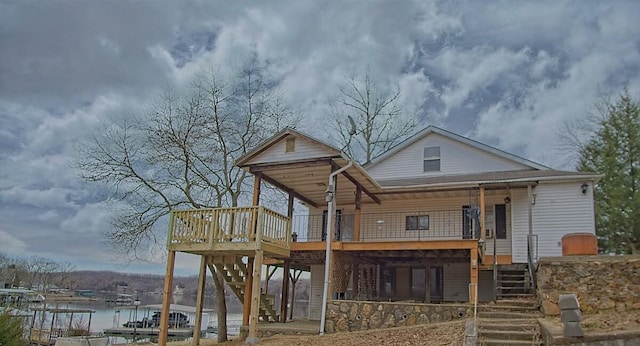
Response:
column 181, row 154
column 368, row 119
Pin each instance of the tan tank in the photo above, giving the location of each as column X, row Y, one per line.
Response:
column 577, row 244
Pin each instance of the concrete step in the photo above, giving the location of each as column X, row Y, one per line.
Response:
column 493, row 342
column 509, row 308
column 506, row 315
column 514, row 295
column 525, row 326
column 518, row 302
column 530, row 335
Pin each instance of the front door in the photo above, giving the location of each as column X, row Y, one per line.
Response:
column 501, row 221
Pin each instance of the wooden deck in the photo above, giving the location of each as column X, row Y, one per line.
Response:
column 295, row 327
column 241, row 231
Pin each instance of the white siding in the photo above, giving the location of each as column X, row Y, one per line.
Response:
column 455, row 158
column 317, row 289
column 456, row 282
column 303, row 150
column 560, row 208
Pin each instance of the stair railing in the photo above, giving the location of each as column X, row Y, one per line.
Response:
column 495, row 270
column 531, row 264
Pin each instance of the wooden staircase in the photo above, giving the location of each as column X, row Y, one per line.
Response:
column 514, row 282
column 234, row 272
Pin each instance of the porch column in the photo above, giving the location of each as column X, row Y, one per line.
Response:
column 166, row 298
column 248, row 284
column 246, row 304
column 356, row 219
column 285, row 290
column 257, row 180
column 482, row 219
column 474, row 275
column 255, row 295
column 202, row 277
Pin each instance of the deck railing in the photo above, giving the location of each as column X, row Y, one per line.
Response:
column 225, row 225
column 395, row 226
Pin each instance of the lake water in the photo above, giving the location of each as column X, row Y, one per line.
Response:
column 109, row 316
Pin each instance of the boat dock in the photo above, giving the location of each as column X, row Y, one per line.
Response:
column 147, row 332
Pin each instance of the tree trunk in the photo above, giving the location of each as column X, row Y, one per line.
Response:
column 221, row 304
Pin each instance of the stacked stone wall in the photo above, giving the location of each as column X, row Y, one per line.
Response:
column 347, row 315
column 602, row 283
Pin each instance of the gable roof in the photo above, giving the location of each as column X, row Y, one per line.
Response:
column 455, row 137
column 333, row 151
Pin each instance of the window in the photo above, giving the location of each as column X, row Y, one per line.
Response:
column 431, row 159
column 416, row 222
column 290, row 145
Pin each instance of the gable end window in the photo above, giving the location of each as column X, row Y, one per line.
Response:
column 290, row 145
column 431, row 159
column 416, row 222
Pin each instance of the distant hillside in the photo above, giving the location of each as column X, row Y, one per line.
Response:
column 106, row 282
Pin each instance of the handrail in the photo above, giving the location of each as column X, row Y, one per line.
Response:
column 495, row 270
column 532, row 269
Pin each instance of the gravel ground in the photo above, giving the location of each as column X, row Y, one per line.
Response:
column 437, row 334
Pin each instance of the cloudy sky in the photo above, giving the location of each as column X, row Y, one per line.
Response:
column 507, row 73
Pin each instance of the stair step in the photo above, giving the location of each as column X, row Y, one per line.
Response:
column 506, row 315
column 236, row 283
column 530, row 335
column 509, row 308
column 517, row 302
column 494, row 342
column 501, row 325
column 513, row 295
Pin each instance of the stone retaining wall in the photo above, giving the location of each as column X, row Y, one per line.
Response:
column 349, row 315
column 602, row 283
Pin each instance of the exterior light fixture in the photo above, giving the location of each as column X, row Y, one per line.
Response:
column 584, row 188
column 507, row 200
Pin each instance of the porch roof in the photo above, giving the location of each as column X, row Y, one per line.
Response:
column 511, row 178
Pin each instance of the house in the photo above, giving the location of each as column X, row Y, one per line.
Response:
column 435, row 219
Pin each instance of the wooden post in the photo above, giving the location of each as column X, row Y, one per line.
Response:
column 255, row 295
column 474, row 274
column 427, row 279
column 248, row 284
column 482, row 218
column 202, row 277
column 256, row 190
column 285, row 290
column 294, row 279
column 166, row 298
column 356, row 219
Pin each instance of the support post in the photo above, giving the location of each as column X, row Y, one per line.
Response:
column 474, row 274
column 248, row 284
column 202, row 278
column 285, row 290
column 294, row 280
column 256, row 190
column 255, row 296
column 482, row 218
column 355, row 278
column 356, row 218
column 166, row 298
